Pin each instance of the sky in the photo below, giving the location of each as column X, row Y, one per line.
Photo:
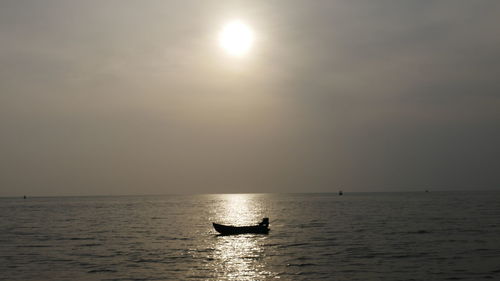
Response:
column 137, row 97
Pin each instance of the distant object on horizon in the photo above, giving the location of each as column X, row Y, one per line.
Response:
column 426, row 191
column 261, row 228
column 24, row 197
column 341, row 193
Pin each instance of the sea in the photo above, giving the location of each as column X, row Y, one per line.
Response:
column 356, row 236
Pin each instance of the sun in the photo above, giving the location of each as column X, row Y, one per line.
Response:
column 236, row 38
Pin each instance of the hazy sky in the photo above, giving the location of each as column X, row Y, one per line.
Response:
column 136, row 97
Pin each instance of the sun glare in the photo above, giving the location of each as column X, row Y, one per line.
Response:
column 236, row 38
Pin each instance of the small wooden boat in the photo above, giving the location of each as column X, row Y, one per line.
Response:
column 262, row 228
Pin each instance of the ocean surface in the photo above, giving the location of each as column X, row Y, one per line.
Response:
column 357, row 236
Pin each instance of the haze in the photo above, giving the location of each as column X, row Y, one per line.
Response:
column 137, row 97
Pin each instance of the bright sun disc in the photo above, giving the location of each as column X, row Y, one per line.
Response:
column 236, row 38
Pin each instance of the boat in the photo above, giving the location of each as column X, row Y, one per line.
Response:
column 261, row 228
column 231, row 230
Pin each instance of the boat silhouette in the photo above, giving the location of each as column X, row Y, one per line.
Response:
column 261, row 228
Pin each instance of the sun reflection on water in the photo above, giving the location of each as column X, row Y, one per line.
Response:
column 240, row 257
column 240, row 209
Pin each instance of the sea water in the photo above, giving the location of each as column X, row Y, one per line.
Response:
column 357, row 236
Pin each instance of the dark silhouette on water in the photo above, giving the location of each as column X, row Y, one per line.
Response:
column 261, row 228
column 341, row 193
column 24, row 197
column 264, row 222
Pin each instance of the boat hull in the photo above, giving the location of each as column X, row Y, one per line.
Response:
column 232, row 230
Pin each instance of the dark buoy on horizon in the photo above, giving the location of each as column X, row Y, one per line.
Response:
column 341, row 193
column 24, row 197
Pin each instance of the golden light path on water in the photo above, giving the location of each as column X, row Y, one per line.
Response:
column 241, row 257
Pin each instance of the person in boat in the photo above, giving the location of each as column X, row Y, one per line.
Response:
column 264, row 222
